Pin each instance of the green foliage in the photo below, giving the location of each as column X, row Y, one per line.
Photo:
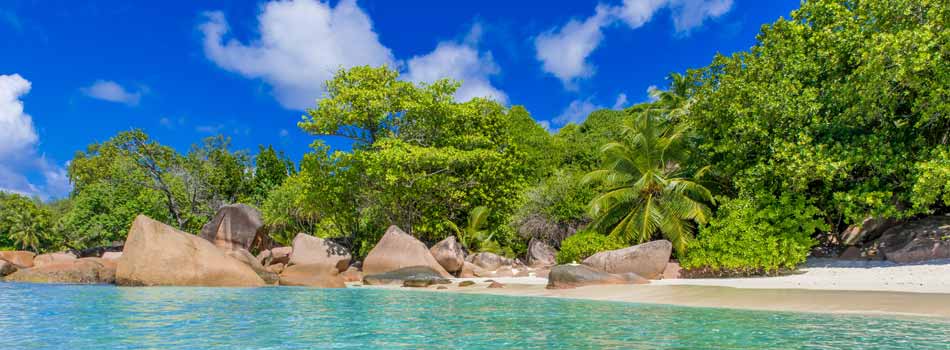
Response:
column 578, row 247
column 845, row 103
column 270, row 170
column 24, row 223
column 753, row 234
column 647, row 187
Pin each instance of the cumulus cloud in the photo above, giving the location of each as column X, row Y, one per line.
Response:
column 302, row 44
column 578, row 110
column 621, row 101
column 111, row 91
column 18, row 155
column 462, row 62
column 563, row 52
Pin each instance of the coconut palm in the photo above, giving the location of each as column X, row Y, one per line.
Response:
column 647, row 190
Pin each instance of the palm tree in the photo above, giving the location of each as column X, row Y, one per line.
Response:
column 474, row 232
column 647, row 189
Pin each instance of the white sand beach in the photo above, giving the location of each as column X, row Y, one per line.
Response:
column 822, row 286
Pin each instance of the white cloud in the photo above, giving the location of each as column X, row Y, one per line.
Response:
column 576, row 112
column 302, row 44
column 621, row 101
column 16, row 127
column 563, row 52
column 111, row 91
column 18, row 155
column 462, row 62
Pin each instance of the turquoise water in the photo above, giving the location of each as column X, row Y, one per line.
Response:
column 106, row 317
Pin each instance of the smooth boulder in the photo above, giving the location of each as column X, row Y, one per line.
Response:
column 918, row 240
column 540, row 254
column 234, row 226
column 396, row 250
column 870, row 228
column 76, row 271
column 278, row 255
column 248, row 259
column 489, row 261
column 413, row 276
column 573, row 276
column 19, row 258
column 7, row 268
column 647, row 260
column 470, row 270
column 156, row 254
column 310, row 250
column 53, row 258
column 313, row 276
column 449, row 254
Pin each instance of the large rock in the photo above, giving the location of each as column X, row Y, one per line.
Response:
column 449, row 254
column 310, row 250
column 869, row 229
column 470, row 270
column 278, row 255
column 413, row 276
column 248, row 259
column 52, row 258
column 647, row 260
column 315, row 276
column 489, row 261
column 397, row 250
column 112, row 255
column 76, row 271
column 540, row 254
column 156, row 254
column 234, row 226
column 918, row 240
column 352, row 274
column 19, row 258
column 572, row 276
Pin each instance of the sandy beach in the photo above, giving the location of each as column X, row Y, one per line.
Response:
column 822, row 286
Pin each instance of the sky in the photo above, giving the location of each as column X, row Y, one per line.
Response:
column 75, row 72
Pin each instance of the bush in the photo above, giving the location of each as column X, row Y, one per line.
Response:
column 753, row 235
column 584, row 244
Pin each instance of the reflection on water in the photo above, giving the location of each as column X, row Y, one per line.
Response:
column 87, row 317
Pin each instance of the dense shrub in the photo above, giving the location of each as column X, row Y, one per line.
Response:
column 584, row 244
column 758, row 234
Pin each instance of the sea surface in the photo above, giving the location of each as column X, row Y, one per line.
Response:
column 106, row 317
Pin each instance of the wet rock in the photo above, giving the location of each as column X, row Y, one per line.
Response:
column 396, row 250
column 156, row 254
column 234, row 226
column 442, row 287
column 314, row 276
column 449, row 254
column 572, row 276
column 466, row 283
column 414, row 275
column 310, row 250
column 76, row 271
column 647, row 260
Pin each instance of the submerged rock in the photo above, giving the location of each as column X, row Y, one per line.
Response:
column 411, row 276
column 572, row 276
column 310, row 250
column 315, row 276
column 396, row 250
column 234, row 226
column 646, row 260
column 449, row 254
column 156, row 254
column 76, row 271
column 918, row 240
column 19, row 258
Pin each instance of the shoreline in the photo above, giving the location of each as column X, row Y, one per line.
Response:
column 844, row 302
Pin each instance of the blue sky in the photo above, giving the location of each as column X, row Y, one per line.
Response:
column 74, row 72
